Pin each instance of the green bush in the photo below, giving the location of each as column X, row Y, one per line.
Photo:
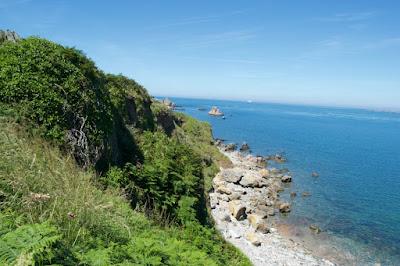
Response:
column 170, row 171
column 60, row 90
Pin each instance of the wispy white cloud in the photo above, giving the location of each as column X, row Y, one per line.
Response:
column 219, row 38
column 384, row 43
column 12, row 3
column 349, row 17
column 198, row 20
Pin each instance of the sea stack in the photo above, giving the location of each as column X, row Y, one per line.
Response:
column 215, row 111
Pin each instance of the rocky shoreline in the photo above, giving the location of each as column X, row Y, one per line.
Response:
column 243, row 204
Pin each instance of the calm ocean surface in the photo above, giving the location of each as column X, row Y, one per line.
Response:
column 356, row 198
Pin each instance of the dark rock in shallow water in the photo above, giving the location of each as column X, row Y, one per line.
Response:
column 286, row 179
column 284, row 207
column 315, row 228
column 230, row 147
column 245, row 147
column 293, row 194
column 306, row 194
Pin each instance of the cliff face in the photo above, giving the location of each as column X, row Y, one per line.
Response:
column 77, row 125
column 8, row 35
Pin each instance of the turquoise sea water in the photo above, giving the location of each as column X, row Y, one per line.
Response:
column 356, row 198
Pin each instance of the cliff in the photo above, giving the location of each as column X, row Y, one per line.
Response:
column 95, row 171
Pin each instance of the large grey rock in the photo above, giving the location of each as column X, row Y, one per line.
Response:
column 8, row 35
column 231, row 175
column 253, row 181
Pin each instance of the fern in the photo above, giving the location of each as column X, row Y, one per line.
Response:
column 28, row 244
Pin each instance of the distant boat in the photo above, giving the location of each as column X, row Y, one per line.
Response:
column 215, row 111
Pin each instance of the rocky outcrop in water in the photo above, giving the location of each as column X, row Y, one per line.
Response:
column 215, row 111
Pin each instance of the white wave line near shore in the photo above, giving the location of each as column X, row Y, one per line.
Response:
column 236, row 193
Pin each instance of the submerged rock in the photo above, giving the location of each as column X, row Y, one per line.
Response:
column 306, row 194
column 315, row 228
column 293, row 194
column 284, row 207
column 314, row 174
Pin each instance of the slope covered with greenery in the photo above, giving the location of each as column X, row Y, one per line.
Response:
column 94, row 171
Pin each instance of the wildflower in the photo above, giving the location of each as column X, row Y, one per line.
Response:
column 38, row 197
column 71, row 215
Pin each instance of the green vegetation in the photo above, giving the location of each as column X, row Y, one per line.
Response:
column 93, row 171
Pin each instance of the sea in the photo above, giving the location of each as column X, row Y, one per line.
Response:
column 355, row 200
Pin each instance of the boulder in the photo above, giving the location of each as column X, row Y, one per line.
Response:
column 230, row 147
column 284, row 207
column 223, row 190
column 231, row 175
column 245, row 147
column 237, row 210
column 286, row 179
column 253, row 239
column 279, row 158
column 252, row 181
column 226, row 218
column 263, row 228
column 218, row 180
column 264, row 173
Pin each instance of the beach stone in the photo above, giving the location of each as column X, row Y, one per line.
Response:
column 284, row 207
column 237, row 210
column 286, row 179
column 223, row 190
column 218, row 180
column 253, row 239
column 263, row 228
column 231, row 175
column 213, row 201
column 264, row 173
column 226, row 218
column 254, row 219
column 234, row 196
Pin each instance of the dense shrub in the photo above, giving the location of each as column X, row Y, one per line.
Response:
column 60, row 90
column 170, row 171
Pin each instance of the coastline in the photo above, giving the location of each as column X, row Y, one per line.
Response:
column 243, row 206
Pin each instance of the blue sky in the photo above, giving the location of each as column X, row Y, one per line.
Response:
column 341, row 53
